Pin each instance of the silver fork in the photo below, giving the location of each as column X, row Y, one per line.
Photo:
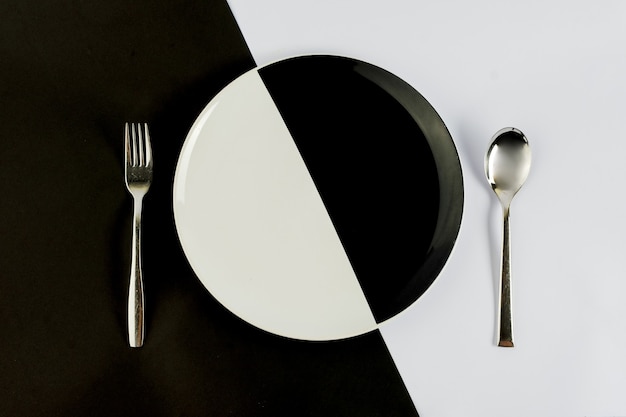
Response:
column 138, row 157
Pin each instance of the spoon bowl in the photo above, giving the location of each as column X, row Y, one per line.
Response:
column 507, row 164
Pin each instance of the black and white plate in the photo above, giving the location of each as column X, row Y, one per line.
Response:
column 318, row 196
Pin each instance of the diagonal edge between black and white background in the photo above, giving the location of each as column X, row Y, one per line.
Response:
column 254, row 226
column 308, row 276
column 81, row 71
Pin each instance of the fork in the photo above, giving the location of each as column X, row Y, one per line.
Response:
column 138, row 162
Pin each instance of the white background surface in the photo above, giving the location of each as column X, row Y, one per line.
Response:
column 557, row 71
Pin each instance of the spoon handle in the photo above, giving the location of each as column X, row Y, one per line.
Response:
column 506, row 328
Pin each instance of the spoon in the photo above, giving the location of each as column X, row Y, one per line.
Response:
column 507, row 163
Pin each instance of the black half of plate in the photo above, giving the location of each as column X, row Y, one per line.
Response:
column 385, row 166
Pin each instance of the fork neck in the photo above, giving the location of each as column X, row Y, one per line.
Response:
column 137, row 206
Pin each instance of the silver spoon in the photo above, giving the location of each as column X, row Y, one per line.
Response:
column 506, row 165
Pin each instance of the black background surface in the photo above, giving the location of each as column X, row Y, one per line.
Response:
column 71, row 74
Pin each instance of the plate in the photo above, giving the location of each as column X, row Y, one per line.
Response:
column 318, row 196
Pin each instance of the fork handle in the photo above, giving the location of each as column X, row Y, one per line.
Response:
column 135, row 289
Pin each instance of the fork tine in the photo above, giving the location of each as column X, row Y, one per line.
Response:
column 147, row 145
column 127, row 155
column 141, row 160
column 138, row 158
column 133, row 148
